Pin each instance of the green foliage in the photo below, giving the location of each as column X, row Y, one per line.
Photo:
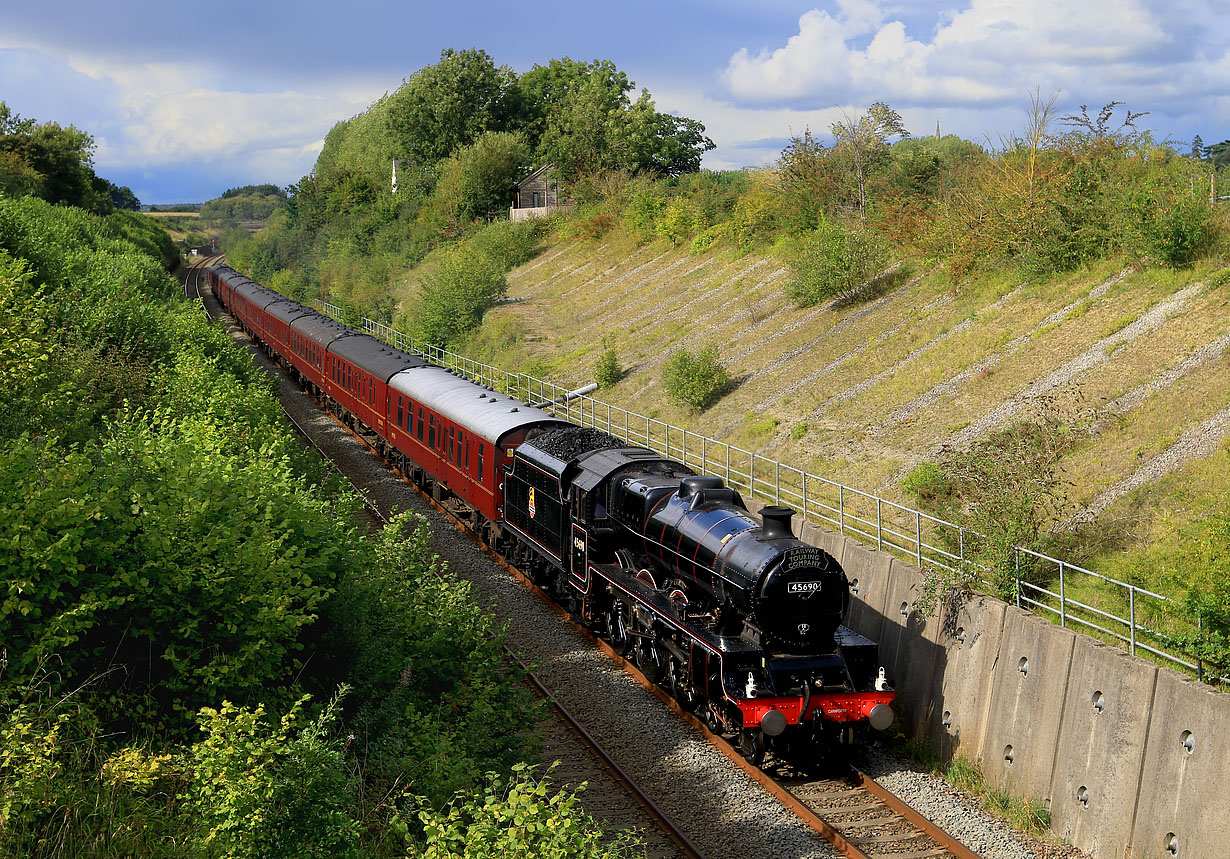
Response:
column 834, row 261
column 268, row 791
column 477, row 181
column 443, row 107
column 1007, row 491
column 243, row 207
column 109, row 566
column 146, row 235
column 454, row 297
column 510, row 243
column 521, row 818
column 54, row 163
column 679, row 221
column 696, row 381
column 431, row 689
column 607, row 372
column 1203, row 564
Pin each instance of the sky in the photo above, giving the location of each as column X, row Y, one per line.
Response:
column 185, row 100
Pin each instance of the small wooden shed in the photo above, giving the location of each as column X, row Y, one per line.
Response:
column 537, row 195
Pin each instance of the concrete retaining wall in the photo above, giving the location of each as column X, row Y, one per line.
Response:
column 1101, row 737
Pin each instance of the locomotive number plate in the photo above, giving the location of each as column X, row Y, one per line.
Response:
column 803, row 588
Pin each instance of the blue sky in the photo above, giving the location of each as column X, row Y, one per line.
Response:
column 188, row 99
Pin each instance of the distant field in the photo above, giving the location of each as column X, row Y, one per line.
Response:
column 173, row 214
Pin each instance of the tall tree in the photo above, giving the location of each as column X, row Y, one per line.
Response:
column 863, row 140
column 448, row 105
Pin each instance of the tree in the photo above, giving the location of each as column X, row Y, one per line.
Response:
column 478, row 180
column 544, row 90
column 807, row 181
column 862, row 141
column 589, row 124
column 52, row 162
column 122, row 197
column 1197, row 147
column 1219, row 154
column 448, row 105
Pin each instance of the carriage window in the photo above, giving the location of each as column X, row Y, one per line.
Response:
column 481, row 450
column 467, row 455
column 399, row 411
column 420, row 425
column 451, row 439
column 431, row 432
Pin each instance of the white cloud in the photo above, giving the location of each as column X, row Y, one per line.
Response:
column 147, row 116
column 989, row 53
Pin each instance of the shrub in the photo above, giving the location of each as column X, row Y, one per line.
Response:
column 678, row 221
column 834, row 261
column 521, row 818
column 608, row 372
column 457, row 294
column 271, row 791
column 695, row 381
column 510, row 243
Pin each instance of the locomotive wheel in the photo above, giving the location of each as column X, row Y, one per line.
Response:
column 649, row 658
column 617, row 627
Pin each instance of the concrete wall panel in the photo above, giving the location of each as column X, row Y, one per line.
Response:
column 907, row 643
column 867, row 571
column 970, row 633
column 1101, row 747
column 1184, row 793
column 1026, row 705
column 829, row 541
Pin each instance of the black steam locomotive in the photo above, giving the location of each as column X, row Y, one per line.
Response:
column 736, row 617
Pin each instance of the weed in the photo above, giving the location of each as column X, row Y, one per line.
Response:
column 1118, row 325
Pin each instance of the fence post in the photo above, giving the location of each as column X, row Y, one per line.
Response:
column 917, row 536
column 879, row 526
column 1132, row 602
column 1199, row 659
column 1016, row 574
column 841, row 509
column 1063, row 605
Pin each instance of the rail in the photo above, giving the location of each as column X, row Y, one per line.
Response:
column 927, row 541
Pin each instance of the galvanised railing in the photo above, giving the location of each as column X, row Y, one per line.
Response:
column 927, row 541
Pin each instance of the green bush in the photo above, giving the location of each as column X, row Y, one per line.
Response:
column 607, row 373
column 432, row 690
column 695, row 381
column 521, row 818
column 834, row 261
column 271, row 791
column 511, row 243
column 457, row 293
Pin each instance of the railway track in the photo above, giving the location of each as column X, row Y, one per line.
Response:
column 849, row 810
column 372, row 518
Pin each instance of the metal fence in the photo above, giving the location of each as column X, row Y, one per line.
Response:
column 925, row 540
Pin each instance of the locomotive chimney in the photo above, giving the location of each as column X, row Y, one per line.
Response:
column 775, row 521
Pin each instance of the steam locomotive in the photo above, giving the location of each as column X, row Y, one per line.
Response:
column 737, row 618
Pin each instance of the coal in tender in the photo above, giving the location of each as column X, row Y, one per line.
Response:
column 570, row 442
